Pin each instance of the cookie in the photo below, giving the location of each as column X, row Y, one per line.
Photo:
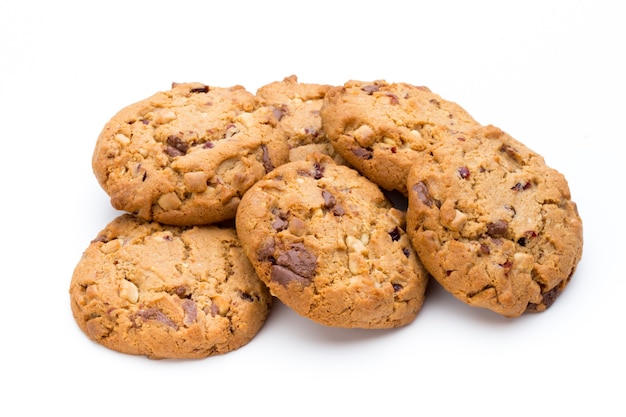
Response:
column 144, row 288
column 329, row 245
column 380, row 127
column 186, row 156
column 492, row 223
column 297, row 107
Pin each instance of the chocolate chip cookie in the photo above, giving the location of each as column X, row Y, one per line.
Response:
column 380, row 127
column 144, row 288
column 492, row 222
column 329, row 245
column 297, row 107
column 186, row 156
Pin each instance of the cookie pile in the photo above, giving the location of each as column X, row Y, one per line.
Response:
column 234, row 198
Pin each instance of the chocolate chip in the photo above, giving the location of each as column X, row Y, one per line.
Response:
column 463, row 172
column 394, row 100
column 363, row 153
column 191, row 311
column 521, row 186
column 370, row 89
column 330, row 203
column 284, row 276
column 156, row 315
column 101, row 238
column 406, row 252
column 551, row 296
column 246, row 296
column 395, row 234
column 397, row 287
column 204, row 89
column 511, row 152
column 280, row 220
column 176, row 146
column 548, row 299
column 279, row 112
column 267, row 162
column 296, row 264
column 266, row 251
column 338, row 210
column 299, row 260
column 311, row 132
column 497, row 228
column 329, row 199
column 319, row 171
column 422, row 194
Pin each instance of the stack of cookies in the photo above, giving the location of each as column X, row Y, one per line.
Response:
column 234, row 198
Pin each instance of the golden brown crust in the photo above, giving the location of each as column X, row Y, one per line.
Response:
column 161, row 291
column 492, row 222
column 380, row 127
column 186, row 156
column 330, row 246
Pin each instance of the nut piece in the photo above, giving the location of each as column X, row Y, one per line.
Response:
column 196, row 182
column 356, row 245
column 220, row 305
column 129, row 291
column 122, row 139
column 110, row 246
column 163, row 116
column 364, row 135
column 169, row 201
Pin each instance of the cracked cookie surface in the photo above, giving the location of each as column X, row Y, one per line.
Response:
column 144, row 288
column 492, row 222
column 380, row 127
column 329, row 245
column 297, row 106
column 185, row 156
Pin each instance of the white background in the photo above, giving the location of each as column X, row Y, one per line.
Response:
column 550, row 73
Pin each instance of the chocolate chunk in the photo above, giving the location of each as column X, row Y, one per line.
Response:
column 267, row 162
column 330, row 203
column 363, row 153
column 176, row 146
column 246, row 296
column 101, row 238
column 296, row 264
column 551, row 296
column 191, row 311
column 512, row 153
column 497, row 229
column 281, row 221
column 299, row 260
column 329, row 199
column 319, row 171
column 463, row 172
column 370, row 89
column 284, row 276
column 548, row 299
column 521, row 186
column 338, row 210
column 204, row 89
column 395, row 234
column 397, row 287
column 156, row 315
column 279, row 112
column 394, row 100
column 266, row 251
column 422, row 193
column 312, row 132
